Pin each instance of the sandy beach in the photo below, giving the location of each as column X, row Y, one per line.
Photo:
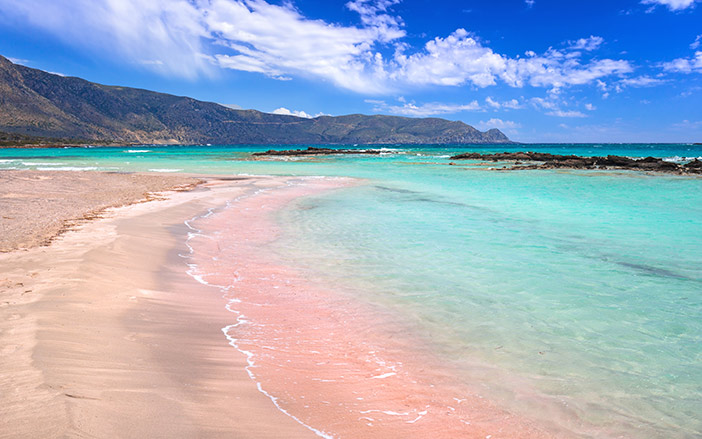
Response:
column 106, row 333
column 97, row 338
column 37, row 206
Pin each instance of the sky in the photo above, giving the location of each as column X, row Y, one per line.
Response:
column 539, row 70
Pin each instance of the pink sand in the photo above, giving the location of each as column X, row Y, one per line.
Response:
column 330, row 362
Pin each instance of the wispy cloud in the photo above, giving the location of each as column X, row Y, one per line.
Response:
column 563, row 113
column 587, row 44
column 641, row 81
column 143, row 32
column 511, row 104
column 543, row 103
column 504, row 125
column 685, row 65
column 687, row 124
column 673, row 5
column 423, row 110
column 376, row 14
column 18, row 60
column 192, row 38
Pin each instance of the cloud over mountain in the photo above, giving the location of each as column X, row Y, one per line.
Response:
column 193, row 38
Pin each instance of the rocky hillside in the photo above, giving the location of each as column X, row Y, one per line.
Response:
column 37, row 103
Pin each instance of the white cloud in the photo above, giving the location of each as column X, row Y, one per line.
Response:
column 544, row 103
column 685, row 65
column 492, row 103
column 695, row 44
column 529, row 3
column 587, row 44
column 18, row 61
column 673, row 5
column 374, row 13
column 512, row 104
column 505, row 125
column 641, row 81
column 286, row 112
column 168, row 31
column 190, row 38
column 461, row 59
column 423, row 110
column 278, row 41
column 590, row 107
column 562, row 113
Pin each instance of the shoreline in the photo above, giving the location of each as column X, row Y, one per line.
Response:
column 343, row 370
column 103, row 334
column 106, row 333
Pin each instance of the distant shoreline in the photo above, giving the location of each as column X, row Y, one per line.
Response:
column 69, row 143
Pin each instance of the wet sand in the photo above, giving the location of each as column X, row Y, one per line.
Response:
column 342, row 367
column 102, row 334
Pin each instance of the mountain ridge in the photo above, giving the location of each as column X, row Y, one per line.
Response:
column 41, row 104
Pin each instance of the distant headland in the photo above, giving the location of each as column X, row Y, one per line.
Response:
column 43, row 108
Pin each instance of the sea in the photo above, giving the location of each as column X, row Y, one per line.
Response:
column 582, row 289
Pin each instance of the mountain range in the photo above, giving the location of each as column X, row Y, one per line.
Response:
column 37, row 104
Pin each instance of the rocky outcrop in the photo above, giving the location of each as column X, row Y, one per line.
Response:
column 555, row 161
column 315, row 151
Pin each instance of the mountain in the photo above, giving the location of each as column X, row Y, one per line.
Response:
column 37, row 103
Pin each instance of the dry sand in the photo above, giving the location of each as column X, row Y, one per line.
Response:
column 102, row 334
column 37, row 206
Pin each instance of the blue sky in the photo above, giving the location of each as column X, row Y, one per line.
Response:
column 540, row 70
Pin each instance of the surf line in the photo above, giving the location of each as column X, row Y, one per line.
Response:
column 193, row 272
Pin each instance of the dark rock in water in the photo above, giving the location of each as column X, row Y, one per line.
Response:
column 315, row 151
column 583, row 163
column 555, row 161
column 615, row 160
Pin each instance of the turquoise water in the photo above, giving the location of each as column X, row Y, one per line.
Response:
column 573, row 295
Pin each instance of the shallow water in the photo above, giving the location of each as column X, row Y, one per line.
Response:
column 574, row 297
